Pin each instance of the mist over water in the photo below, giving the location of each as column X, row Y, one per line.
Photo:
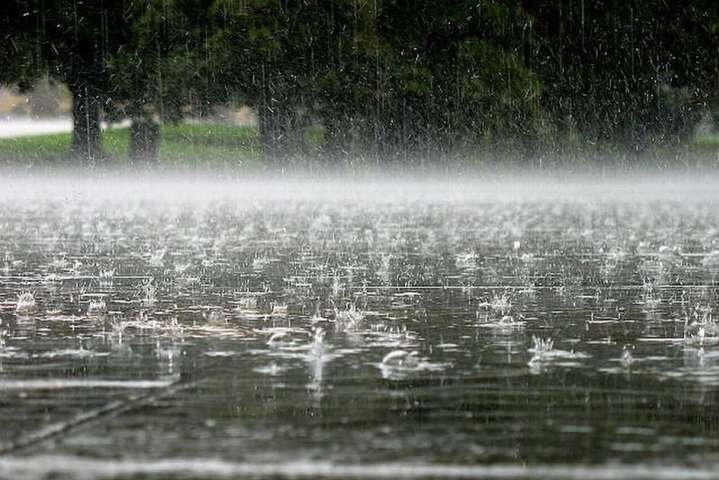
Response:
column 327, row 187
column 184, row 326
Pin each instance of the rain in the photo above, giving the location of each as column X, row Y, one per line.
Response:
column 358, row 239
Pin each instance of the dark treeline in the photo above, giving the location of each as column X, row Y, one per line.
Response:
column 379, row 78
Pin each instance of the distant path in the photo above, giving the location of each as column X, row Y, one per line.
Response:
column 17, row 127
column 25, row 127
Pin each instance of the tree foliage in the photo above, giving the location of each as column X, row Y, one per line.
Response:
column 387, row 78
column 70, row 41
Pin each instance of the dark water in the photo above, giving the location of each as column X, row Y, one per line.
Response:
column 253, row 335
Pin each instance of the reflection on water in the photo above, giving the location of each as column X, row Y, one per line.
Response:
column 329, row 337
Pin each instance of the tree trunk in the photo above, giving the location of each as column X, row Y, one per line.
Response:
column 274, row 135
column 86, row 141
column 144, row 138
column 334, row 143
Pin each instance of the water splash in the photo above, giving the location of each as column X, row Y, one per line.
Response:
column 542, row 347
column 157, row 258
column 348, row 319
column 214, row 316
column 279, row 310
column 149, row 293
column 317, row 358
column 106, row 277
column 627, row 359
column 401, row 364
column 701, row 328
column 26, row 303
column 96, row 307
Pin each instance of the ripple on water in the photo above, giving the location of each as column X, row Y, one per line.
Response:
column 444, row 294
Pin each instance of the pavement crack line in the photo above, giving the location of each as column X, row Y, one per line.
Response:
column 96, row 415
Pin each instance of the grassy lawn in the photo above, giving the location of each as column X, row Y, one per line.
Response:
column 200, row 146
column 183, row 145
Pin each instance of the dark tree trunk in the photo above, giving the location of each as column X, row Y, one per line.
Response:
column 332, row 148
column 86, row 141
column 144, row 138
column 268, row 133
column 274, row 127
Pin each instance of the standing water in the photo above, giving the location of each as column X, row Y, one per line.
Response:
column 177, row 329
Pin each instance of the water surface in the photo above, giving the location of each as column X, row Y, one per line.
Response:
column 173, row 329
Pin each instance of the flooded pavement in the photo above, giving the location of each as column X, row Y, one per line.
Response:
column 157, row 332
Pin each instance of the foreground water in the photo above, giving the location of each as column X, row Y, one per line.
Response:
column 183, row 330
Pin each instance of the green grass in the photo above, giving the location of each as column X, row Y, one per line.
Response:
column 183, row 145
column 201, row 146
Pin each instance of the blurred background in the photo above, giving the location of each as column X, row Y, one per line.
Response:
column 254, row 83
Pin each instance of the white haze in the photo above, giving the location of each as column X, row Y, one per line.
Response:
column 21, row 187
